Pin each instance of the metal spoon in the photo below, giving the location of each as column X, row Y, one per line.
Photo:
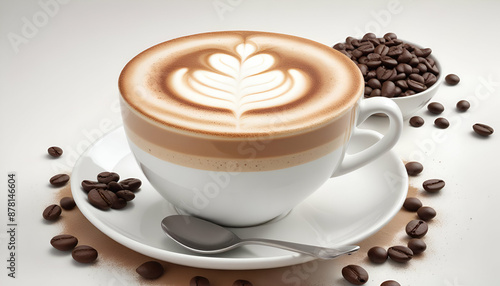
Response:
column 206, row 237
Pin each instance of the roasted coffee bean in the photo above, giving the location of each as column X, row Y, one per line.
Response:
column 381, row 50
column 131, row 184
column 67, row 203
column 426, row 213
column 417, row 245
column 355, row 274
column 55, row 151
column 412, row 204
column 52, row 212
column 442, row 122
column 429, row 78
column 89, row 185
column 404, row 68
column 416, row 121
column 242, row 283
column 64, row 242
column 59, row 180
column 114, row 186
column 390, row 36
column 400, row 253
column 452, row 79
column 417, row 77
column 417, row 228
column 433, row 185
column 374, row 83
column 339, row 46
column 377, row 254
column 463, row 105
column 101, row 199
column 414, row 168
column 84, row 254
column 482, row 129
column 199, row 281
column 390, row 283
column 150, row 270
column 416, row 86
column 435, row 108
column 106, row 177
column 388, row 89
column 119, row 204
column 126, row 195
column 389, row 62
column 363, row 68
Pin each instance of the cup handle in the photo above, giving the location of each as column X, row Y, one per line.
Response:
column 366, row 108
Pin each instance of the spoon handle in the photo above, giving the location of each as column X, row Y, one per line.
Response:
column 315, row 251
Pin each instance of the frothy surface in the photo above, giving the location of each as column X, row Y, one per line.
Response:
column 241, row 84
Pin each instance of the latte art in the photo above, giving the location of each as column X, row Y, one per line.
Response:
column 240, row 82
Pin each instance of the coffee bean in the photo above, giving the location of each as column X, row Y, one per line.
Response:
column 52, row 212
column 101, row 199
column 114, row 186
column 131, row 184
column 59, row 180
column 374, row 83
column 417, row 245
column 412, row 204
column 414, row 168
column 150, row 270
column 355, row 274
column 67, row 203
column 429, row 78
column 442, row 122
column 426, row 213
column 416, row 121
column 404, row 68
column 435, row 107
column 84, row 254
column 400, row 253
column 482, row 129
column 106, row 177
column 119, row 204
column 390, row 36
column 377, row 254
column 126, row 195
column 433, row 185
column 452, row 79
column 242, row 283
column 463, row 105
column 416, row 228
column 416, row 86
column 199, row 281
column 64, row 242
column 388, row 89
column 417, row 77
column 390, row 283
column 384, row 74
column 55, row 151
column 89, row 185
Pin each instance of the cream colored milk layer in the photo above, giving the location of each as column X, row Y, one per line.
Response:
column 227, row 89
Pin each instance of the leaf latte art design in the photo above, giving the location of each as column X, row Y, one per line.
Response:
column 241, row 82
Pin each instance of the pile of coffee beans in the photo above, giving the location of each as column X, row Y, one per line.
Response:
column 109, row 192
column 390, row 66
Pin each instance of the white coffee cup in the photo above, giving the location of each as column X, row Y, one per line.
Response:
column 244, row 162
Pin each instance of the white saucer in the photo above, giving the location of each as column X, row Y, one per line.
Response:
column 345, row 210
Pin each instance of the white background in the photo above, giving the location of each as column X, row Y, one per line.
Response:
column 59, row 65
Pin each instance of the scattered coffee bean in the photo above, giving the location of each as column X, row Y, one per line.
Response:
column 55, row 151
column 89, row 185
column 442, row 122
column 101, row 199
column 417, row 245
column 59, row 180
column 390, row 283
column 242, row 283
column 150, row 270
column 426, row 213
column 64, row 242
column 433, row 185
column 414, row 168
column 452, row 79
column 377, row 254
column 417, row 228
column 463, row 105
column 416, row 121
column 106, row 177
column 482, row 129
column 126, row 195
column 412, row 204
column 67, row 203
column 199, row 281
column 52, row 212
column 131, row 184
column 435, row 108
column 400, row 253
column 355, row 274
column 84, row 254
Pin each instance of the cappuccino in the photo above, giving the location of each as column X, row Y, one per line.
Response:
column 239, row 101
